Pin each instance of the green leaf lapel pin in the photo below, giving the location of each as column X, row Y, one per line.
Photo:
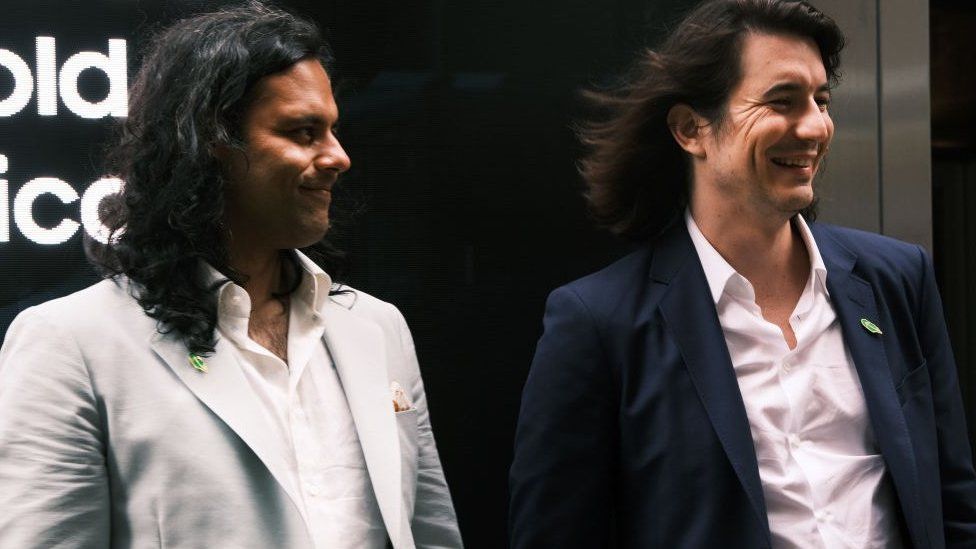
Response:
column 870, row 326
column 198, row 363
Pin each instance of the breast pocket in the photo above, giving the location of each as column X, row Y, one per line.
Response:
column 407, row 426
column 914, row 385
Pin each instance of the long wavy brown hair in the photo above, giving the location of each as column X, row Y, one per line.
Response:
column 637, row 176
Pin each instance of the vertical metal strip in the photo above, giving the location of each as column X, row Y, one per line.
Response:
column 849, row 187
column 879, row 76
column 905, row 120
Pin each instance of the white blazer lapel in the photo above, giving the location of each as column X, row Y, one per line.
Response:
column 358, row 348
column 225, row 390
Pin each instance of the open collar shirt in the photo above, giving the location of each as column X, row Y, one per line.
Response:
column 304, row 401
column 822, row 474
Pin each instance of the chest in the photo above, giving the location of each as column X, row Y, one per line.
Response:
column 676, row 392
column 270, row 330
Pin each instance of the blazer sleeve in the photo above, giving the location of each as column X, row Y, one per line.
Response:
column 434, row 522
column 562, row 475
column 53, row 484
column 955, row 454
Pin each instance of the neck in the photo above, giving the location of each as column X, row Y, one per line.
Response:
column 764, row 248
column 262, row 270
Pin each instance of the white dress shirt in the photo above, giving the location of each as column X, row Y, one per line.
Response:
column 305, row 403
column 822, row 475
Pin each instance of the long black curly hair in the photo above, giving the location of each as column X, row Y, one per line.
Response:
column 190, row 96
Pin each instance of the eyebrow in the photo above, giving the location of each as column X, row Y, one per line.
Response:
column 308, row 119
column 792, row 87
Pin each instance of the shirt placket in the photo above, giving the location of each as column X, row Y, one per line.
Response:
column 789, row 383
column 796, row 377
column 302, row 443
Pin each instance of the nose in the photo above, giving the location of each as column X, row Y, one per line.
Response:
column 814, row 124
column 332, row 156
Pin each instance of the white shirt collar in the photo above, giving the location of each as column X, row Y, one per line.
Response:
column 719, row 273
column 316, row 283
column 313, row 290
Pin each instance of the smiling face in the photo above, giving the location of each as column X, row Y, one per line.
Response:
column 280, row 188
column 761, row 159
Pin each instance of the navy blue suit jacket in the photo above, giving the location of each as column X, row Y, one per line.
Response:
column 632, row 431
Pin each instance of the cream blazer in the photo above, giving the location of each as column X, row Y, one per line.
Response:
column 109, row 438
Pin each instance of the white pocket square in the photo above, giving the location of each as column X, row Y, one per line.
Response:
column 400, row 401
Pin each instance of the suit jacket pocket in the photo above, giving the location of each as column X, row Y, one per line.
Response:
column 915, row 382
column 407, row 426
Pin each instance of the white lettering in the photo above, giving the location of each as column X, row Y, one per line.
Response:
column 23, row 208
column 47, row 87
column 49, row 80
column 115, row 68
column 4, row 216
column 4, row 203
column 24, row 215
column 23, row 83
column 90, row 201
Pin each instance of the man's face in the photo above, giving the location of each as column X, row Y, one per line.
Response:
column 763, row 157
column 279, row 190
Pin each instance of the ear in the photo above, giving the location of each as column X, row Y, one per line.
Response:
column 688, row 129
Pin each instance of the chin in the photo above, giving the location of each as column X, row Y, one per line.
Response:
column 309, row 236
column 797, row 199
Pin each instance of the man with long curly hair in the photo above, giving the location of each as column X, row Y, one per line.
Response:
column 748, row 378
column 220, row 388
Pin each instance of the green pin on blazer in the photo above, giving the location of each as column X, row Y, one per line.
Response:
column 198, row 363
column 870, row 326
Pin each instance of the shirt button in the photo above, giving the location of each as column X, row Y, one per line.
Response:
column 312, row 489
column 822, row 516
column 794, row 441
column 787, row 365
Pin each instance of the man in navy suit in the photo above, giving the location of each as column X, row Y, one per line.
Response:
column 747, row 378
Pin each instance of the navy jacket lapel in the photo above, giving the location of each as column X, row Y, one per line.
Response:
column 690, row 313
column 853, row 299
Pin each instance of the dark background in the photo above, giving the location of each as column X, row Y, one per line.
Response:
column 953, row 49
column 463, row 206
